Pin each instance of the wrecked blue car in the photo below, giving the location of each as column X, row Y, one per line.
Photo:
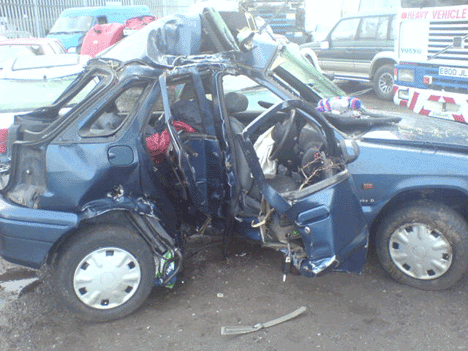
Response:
column 168, row 143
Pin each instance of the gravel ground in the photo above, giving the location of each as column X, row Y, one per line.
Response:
column 344, row 311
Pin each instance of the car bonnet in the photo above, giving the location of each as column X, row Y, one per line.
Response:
column 422, row 129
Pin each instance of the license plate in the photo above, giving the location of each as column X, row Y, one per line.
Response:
column 453, row 72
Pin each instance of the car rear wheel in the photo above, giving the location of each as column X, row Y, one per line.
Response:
column 383, row 82
column 424, row 245
column 104, row 273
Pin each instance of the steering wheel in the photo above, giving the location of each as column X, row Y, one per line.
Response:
column 277, row 147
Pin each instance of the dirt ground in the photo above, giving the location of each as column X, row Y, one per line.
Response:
column 344, row 311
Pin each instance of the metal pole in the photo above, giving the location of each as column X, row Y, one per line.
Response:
column 36, row 18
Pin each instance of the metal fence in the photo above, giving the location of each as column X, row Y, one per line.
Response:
column 38, row 16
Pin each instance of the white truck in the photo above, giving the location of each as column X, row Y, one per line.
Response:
column 431, row 76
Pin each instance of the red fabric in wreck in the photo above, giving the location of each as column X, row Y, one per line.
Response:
column 158, row 143
column 3, row 140
column 139, row 22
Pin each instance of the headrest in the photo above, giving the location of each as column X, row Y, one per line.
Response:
column 236, row 102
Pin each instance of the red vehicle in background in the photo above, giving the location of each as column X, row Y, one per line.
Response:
column 102, row 36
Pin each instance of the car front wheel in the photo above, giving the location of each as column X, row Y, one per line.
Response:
column 424, row 245
column 104, row 273
column 383, row 82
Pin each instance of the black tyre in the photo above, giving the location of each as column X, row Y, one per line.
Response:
column 424, row 245
column 383, row 82
column 104, row 273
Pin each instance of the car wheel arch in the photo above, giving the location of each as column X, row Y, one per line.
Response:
column 379, row 62
column 442, row 195
column 113, row 217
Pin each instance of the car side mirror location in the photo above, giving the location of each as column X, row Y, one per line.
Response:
column 350, row 150
column 325, row 45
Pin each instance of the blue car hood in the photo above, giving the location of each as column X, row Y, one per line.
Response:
column 421, row 129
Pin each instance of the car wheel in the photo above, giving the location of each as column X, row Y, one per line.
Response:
column 104, row 273
column 424, row 245
column 383, row 82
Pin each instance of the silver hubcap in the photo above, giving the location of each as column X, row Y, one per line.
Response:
column 420, row 251
column 107, row 278
column 386, row 83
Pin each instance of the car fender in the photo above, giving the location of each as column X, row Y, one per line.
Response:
column 401, row 190
column 382, row 58
column 137, row 213
column 118, row 202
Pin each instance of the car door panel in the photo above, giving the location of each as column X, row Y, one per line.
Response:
column 372, row 33
column 327, row 214
column 198, row 156
column 339, row 55
column 205, row 181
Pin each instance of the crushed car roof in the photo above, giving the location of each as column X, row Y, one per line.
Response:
column 185, row 35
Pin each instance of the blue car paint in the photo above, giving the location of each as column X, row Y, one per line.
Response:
column 110, row 178
column 410, row 157
column 79, row 184
column 327, row 214
column 93, row 180
column 28, row 234
column 207, row 188
column 86, row 185
column 201, row 158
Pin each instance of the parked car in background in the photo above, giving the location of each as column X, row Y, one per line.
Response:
column 44, row 67
column 13, row 48
column 39, row 92
column 74, row 23
column 15, row 34
column 360, row 48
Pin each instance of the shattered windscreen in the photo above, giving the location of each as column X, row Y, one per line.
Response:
column 292, row 67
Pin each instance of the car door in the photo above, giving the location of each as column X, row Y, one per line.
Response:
column 327, row 214
column 372, row 38
column 197, row 154
column 336, row 52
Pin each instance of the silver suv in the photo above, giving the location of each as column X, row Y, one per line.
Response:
column 360, row 47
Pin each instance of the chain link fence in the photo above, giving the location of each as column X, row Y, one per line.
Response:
column 38, row 16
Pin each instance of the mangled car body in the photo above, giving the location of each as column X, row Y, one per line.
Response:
column 166, row 146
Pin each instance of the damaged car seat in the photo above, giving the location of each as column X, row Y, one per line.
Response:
column 236, row 103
